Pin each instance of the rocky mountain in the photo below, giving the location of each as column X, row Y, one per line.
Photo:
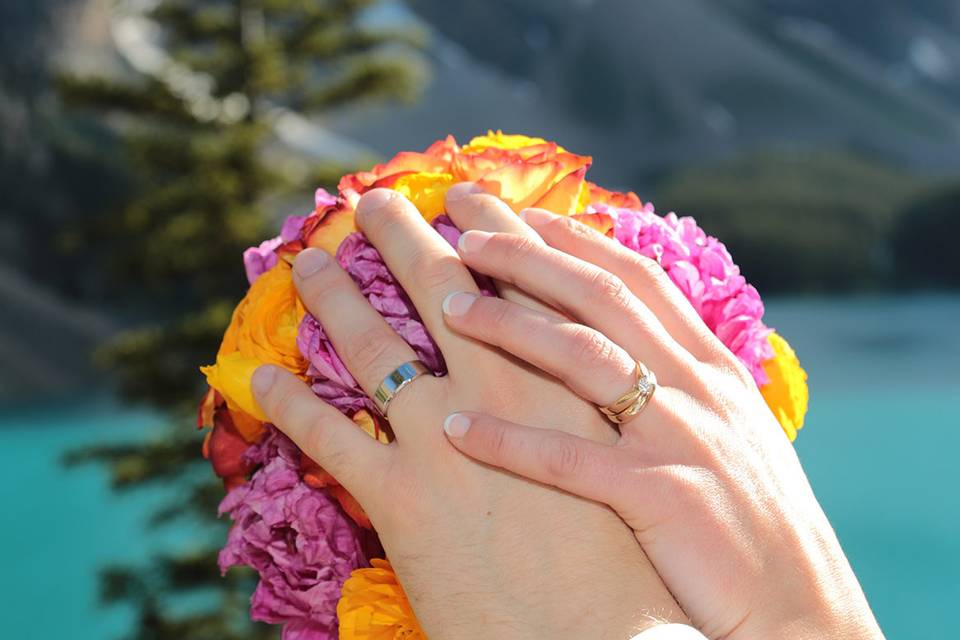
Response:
column 649, row 86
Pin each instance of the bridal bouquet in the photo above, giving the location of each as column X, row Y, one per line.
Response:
column 321, row 567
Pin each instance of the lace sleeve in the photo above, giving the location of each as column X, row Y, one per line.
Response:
column 670, row 632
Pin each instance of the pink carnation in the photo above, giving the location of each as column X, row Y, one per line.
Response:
column 702, row 268
column 297, row 538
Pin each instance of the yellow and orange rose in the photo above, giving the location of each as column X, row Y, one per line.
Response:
column 522, row 171
column 263, row 330
column 373, row 606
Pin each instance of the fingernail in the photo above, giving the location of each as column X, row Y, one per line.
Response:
column 456, row 425
column 458, row 303
column 536, row 217
column 462, row 190
column 373, row 200
column 263, row 379
column 309, row 261
column 473, row 241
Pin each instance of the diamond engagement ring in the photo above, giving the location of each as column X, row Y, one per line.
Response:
column 635, row 400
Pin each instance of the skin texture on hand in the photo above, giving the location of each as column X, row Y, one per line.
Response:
column 481, row 553
column 704, row 475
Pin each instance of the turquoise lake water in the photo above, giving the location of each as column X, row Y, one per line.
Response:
column 880, row 446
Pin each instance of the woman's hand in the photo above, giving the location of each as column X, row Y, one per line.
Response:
column 704, row 475
column 480, row 553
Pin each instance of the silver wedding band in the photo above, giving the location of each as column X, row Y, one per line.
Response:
column 395, row 381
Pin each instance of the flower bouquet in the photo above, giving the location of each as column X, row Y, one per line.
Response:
column 321, row 567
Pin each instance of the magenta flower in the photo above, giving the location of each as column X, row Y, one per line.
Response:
column 702, row 268
column 297, row 538
column 260, row 259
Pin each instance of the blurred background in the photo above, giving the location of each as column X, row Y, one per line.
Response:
column 145, row 143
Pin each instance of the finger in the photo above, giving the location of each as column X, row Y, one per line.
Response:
column 426, row 266
column 579, row 466
column 369, row 348
column 644, row 276
column 594, row 367
column 470, row 207
column 585, row 292
column 319, row 430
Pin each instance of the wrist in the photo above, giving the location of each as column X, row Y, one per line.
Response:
column 840, row 620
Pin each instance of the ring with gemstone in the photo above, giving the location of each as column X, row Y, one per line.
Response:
column 395, row 381
column 635, row 400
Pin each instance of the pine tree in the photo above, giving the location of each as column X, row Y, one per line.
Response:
column 203, row 158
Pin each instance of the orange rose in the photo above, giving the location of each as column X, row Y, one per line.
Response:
column 263, row 330
column 522, row 171
column 325, row 229
column 374, row 606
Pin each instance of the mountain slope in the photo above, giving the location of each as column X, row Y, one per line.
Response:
column 653, row 85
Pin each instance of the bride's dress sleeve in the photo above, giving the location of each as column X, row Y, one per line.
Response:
column 670, row 632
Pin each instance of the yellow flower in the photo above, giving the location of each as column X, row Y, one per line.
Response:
column 501, row 140
column 373, row 606
column 786, row 393
column 263, row 330
column 524, row 172
column 426, row 191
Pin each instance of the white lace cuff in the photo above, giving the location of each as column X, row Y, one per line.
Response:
column 670, row 632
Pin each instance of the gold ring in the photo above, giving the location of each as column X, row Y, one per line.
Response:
column 635, row 400
column 395, row 381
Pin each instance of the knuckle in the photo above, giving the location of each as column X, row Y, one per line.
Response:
column 496, row 442
column 377, row 219
column 561, row 457
column 738, row 369
column 284, row 406
column 515, row 248
column 571, row 228
column 589, row 347
column 728, row 364
column 649, row 268
column 652, row 277
column 327, row 285
column 605, row 288
column 434, row 270
column 320, row 444
column 499, row 316
column 368, row 350
column 485, row 205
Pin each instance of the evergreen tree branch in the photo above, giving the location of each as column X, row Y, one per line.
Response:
column 198, row 194
column 365, row 79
